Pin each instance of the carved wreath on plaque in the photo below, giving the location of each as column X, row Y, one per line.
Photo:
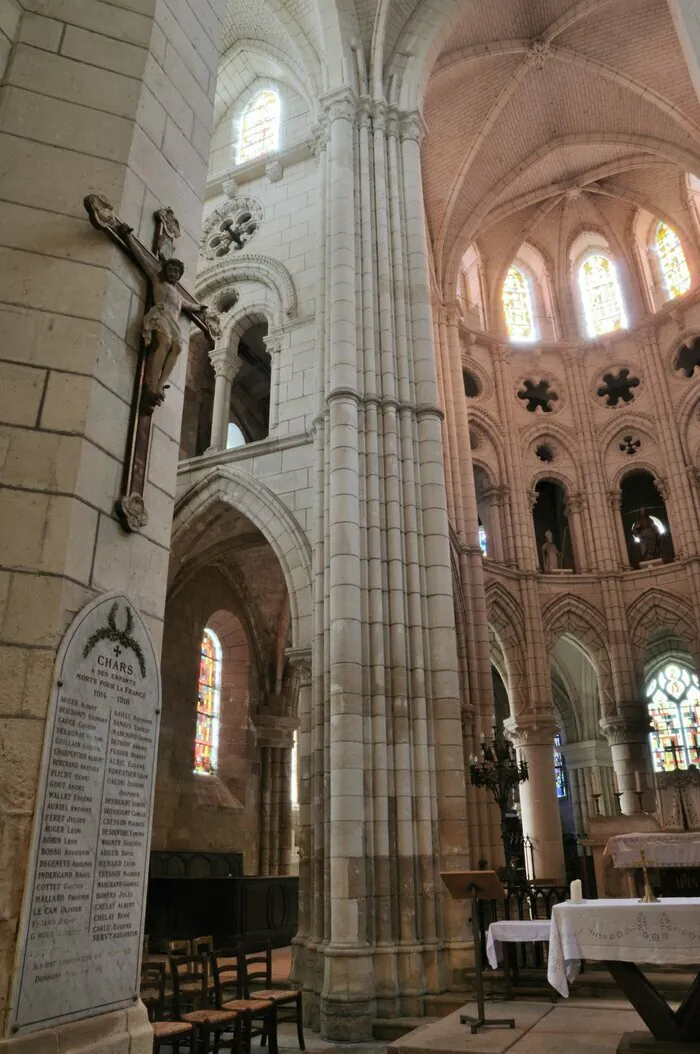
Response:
column 231, row 227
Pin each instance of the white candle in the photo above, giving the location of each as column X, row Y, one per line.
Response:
column 576, row 891
column 638, row 783
column 595, row 789
column 616, row 789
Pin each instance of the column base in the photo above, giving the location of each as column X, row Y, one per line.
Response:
column 348, row 1007
column 120, row 1032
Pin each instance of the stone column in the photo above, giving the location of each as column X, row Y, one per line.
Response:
column 574, row 506
column 273, row 343
column 627, row 732
column 493, row 496
column 538, row 796
column 226, row 366
column 615, row 502
column 85, row 107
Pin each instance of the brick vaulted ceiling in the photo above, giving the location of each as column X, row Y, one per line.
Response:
column 531, row 101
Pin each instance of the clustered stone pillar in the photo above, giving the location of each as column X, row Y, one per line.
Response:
column 383, row 805
column 275, row 809
column 538, row 797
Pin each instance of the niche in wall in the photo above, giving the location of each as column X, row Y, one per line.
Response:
column 549, row 514
column 639, row 493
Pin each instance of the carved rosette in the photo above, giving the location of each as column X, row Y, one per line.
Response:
column 231, row 227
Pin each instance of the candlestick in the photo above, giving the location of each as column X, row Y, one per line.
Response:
column 648, row 897
column 596, row 802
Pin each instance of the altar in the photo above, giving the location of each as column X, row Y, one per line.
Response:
column 622, row 934
column 671, row 855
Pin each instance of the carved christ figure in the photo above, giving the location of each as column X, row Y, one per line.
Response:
column 161, row 324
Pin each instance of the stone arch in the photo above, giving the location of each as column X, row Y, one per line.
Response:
column 656, row 609
column 570, row 615
column 253, row 267
column 506, row 621
column 253, row 499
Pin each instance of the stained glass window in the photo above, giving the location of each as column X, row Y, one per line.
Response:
column 206, row 739
column 559, row 776
column 674, row 708
column 674, row 268
column 260, row 125
column 483, row 540
column 601, row 295
column 517, row 306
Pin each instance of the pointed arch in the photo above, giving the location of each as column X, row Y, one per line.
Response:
column 506, row 621
column 571, row 616
column 232, row 486
column 656, row 609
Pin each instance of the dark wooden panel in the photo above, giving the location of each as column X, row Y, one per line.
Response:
column 230, row 909
column 200, row 864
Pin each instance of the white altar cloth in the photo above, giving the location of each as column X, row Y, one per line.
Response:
column 512, row 932
column 660, row 850
column 624, row 930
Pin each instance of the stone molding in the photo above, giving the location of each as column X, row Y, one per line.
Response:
column 254, row 267
column 626, row 728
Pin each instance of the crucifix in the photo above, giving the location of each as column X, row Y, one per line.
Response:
column 161, row 340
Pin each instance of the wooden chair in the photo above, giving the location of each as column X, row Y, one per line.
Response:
column 256, row 974
column 165, row 1033
column 213, row 1027
column 258, row 1016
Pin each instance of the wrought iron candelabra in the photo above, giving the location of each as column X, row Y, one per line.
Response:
column 500, row 772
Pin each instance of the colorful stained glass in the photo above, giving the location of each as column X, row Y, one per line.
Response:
column 260, row 126
column 601, row 295
column 559, row 774
column 674, row 267
column 517, row 306
column 483, row 540
column 674, row 708
column 206, row 740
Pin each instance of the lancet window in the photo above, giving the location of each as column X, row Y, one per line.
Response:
column 517, row 306
column 206, row 739
column 674, row 708
column 672, row 261
column 260, row 126
column 603, row 306
column 559, row 775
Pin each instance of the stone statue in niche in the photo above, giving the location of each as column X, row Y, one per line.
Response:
column 550, row 554
column 646, row 534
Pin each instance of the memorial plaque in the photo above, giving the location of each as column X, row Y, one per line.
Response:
column 82, row 916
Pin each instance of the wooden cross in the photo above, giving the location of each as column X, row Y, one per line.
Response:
column 161, row 341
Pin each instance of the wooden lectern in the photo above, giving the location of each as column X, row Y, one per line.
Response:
column 476, row 886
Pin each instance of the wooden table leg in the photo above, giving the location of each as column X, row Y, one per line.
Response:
column 681, row 1026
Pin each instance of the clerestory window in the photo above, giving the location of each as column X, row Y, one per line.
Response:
column 599, row 285
column 206, row 737
column 260, row 127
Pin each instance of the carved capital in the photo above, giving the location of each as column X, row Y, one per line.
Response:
column 412, row 126
column 339, row 106
column 225, row 363
column 615, row 500
column 537, row 731
column 300, row 660
column 273, row 344
column 532, row 497
column 318, row 139
column 631, row 725
column 661, row 484
column 230, row 188
column 575, row 504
